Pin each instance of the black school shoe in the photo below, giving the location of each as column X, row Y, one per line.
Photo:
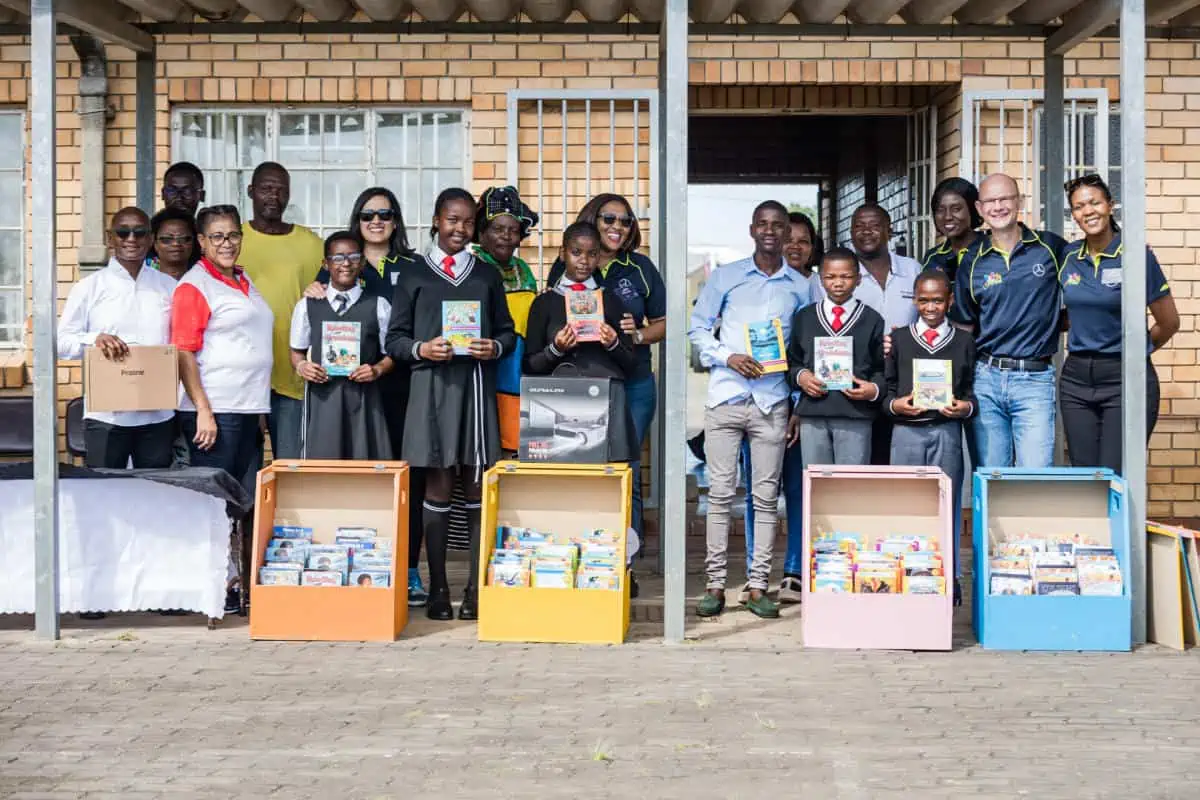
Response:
column 957, row 593
column 233, row 601
column 439, row 607
column 634, row 589
column 469, row 610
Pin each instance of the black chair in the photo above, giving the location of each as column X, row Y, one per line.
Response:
column 76, row 444
column 16, row 427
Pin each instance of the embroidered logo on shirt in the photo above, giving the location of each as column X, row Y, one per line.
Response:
column 1039, row 270
column 625, row 289
column 992, row 279
column 1074, row 279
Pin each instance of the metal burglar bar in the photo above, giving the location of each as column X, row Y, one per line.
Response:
column 922, row 177
column 12, row 229
column 566, row 146
column 1002, row 132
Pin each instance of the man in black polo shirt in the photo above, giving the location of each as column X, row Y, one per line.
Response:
column 1008, row 293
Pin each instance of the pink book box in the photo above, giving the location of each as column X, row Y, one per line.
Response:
column 876, row 502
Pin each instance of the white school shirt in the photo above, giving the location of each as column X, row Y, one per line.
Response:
column 461, row 259
column 942, row 331
column 300, row 337
column 236, row 352
column 828, row 305
column 136, row 311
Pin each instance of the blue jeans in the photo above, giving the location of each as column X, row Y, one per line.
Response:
column 641, row 395
column 286, row 425
column 236, row 447
column 792, row 479
column 1016, row 418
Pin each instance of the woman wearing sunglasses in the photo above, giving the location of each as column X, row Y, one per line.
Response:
column 1091, row 278
column 223, row 329
column 633, row 278
column 175, row 245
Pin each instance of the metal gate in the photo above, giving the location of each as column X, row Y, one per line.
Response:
column 566, row 146
column 922, row 178
column 1002, row 132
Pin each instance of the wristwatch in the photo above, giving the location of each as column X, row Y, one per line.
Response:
column 637, row 337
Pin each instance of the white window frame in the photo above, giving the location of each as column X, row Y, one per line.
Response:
column 415, row 219
column 22, row 307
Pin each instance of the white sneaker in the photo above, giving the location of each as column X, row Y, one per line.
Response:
column 790, row 590
column 744, row 594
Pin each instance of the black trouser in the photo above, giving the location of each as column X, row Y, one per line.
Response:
column 111, row 446
column 881, row 440
column 1090, row 398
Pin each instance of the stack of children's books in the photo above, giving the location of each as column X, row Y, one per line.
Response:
column 1055, row 565
column 896, row 564
column 358, row 557
column 528, row 558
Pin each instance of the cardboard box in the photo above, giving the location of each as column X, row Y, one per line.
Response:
column 326, row 495
column 1010, row 503
column 146, row 380
column 1173, row 581
column 554, row 497
column 903, row 500
column 564, row 420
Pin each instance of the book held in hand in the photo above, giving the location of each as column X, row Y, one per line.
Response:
column 764, row 343
column 585, row 314
column 833, row 361
column 460, row 324
column 339, row 347
column 933, row 383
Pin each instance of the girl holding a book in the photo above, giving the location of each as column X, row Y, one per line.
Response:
column 450, row 322
column 579, row 324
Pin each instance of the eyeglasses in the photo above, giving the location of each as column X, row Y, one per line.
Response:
column 136, row 233
column 991, row 201
column 169, row 240
column 342, row 259
column 612, row 219
column 384, row 215
column 181, row 191
column 233, row 237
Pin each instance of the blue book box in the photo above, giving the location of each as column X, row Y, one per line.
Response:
column 1010, row 503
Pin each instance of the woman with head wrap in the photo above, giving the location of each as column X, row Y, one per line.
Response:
column 501, row 223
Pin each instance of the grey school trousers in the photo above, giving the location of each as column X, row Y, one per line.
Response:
column 935, row 444
column 724, row 428
column 832, row 440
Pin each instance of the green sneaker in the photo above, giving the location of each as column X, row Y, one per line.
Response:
column 711, row 604
column 762, row 606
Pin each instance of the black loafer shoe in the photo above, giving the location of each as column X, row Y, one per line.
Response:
column 439, row 607
column 957, row 593
column 469, row 610
column 634, row 589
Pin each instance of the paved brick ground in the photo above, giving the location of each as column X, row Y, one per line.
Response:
column 145, row 706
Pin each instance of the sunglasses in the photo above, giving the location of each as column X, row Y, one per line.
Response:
column 170, row 240
column 221, row 238
column 136, row 233
column 342, row 259
column 383, row 214
column 612, row 219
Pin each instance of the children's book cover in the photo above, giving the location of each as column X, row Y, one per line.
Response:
column 460, row 324
column 933, row 386
column 585, row 314
column 339, row 343
column 833, row 361
column 764, row 343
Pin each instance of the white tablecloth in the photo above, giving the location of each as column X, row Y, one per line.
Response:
column 125, row 544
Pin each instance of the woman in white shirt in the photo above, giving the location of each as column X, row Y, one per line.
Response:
column 222, row 328
column 125, row 303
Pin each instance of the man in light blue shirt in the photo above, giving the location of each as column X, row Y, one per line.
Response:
column 754, row 299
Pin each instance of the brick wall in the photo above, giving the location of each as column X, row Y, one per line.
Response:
column 475, row 71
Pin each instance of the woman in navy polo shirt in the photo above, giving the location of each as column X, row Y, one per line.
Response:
column 634, row 278
column 955, row 217
column 1091, row 277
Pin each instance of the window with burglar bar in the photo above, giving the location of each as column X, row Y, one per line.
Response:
column 12, row 229
column 332, row 154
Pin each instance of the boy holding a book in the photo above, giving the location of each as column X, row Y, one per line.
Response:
column 337, row 348
column 835, row 359
column 930, row 375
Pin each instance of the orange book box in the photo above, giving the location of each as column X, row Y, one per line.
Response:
column 326, row 495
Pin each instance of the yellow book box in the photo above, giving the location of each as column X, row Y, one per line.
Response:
column 564, row 499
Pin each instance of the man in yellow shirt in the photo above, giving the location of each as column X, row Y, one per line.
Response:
column 281, row 259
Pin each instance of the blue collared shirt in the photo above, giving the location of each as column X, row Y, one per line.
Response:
column 893, row 300
column 1092, row 296
column 1013, row 298
column 739, row 294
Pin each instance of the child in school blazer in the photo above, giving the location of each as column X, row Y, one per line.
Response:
column 835, row 426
